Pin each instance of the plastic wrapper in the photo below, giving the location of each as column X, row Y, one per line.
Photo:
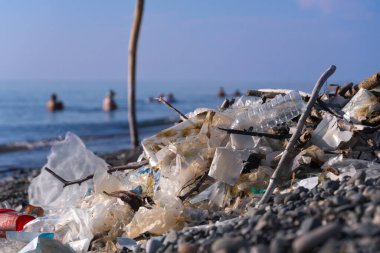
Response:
column 328, row 136
column 158, row 220
column 71, row 160
column 308, row 183
column 305, row 157
column 216, row 195
column 70, row 226
column 228, row 164
column 350, row 166
column 106, row 213
column 360, row 106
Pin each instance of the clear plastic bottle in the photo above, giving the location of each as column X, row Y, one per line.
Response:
column 279, row 110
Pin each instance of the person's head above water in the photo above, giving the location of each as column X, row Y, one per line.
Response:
column 53, row 96
column 111, row 93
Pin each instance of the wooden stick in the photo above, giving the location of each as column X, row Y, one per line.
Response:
column 243, row 132
column 290, row 147
column 132, row 72
column 129, row 166
column 163, row 101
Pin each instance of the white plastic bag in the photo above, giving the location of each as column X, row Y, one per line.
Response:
column 71, row 160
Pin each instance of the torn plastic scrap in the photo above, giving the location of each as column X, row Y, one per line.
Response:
column 360, row 106
column 308, row 183
column 228, row 164
column 328, row 136
column 106, row 213
column 157, row 220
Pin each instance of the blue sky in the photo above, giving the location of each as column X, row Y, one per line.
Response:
column 236, row 40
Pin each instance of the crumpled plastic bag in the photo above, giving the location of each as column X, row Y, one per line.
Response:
column 71, row 160
column 107, row 213
column 158, row 220
column 360, row 106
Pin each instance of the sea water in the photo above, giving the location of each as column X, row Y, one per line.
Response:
column 27, row 129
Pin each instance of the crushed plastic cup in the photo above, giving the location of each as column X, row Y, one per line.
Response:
column 228, row 164
column 360, row 106
column 328, row 136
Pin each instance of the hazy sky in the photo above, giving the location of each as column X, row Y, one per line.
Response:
column 235, row 40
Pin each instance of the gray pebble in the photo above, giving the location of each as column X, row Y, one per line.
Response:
column 153, row 245
column 228, row 245
column 316, row 237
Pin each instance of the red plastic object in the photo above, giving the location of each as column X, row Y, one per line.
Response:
column 10, row 220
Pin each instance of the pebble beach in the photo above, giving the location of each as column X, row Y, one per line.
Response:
column 336, row 216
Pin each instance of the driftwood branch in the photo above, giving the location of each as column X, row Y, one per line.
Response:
column 129, row 166
column 293, row 140
column 195, row 188
column 132, row 72
column 163, row 101
column 243, row 132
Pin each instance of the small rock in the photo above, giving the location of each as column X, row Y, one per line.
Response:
column 330, row 184
column 279, row 245
column 229, row 245
column 316, row 237
column 261, row 248
column 187, row 248
column 153, row 245
column 308, row 225
column 359, row 177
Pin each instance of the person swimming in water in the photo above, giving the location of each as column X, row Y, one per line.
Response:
column 109, row 103
column 53, row 104
column 237, row 93
column 221, row 93
column 170, row 98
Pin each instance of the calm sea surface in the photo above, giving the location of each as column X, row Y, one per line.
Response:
column 27, row 129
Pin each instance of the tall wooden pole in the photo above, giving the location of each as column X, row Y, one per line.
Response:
column 133, row 41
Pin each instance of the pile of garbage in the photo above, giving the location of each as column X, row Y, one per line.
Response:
column 212, row 161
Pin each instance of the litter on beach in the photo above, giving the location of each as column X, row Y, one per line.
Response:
column 212, row 163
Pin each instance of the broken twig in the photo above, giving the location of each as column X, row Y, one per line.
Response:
column 129, row 166
column 290, row 147
column 163, row 101
column 196, row 187
column 328, row 108
column 131, row 198
column 243, row 132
